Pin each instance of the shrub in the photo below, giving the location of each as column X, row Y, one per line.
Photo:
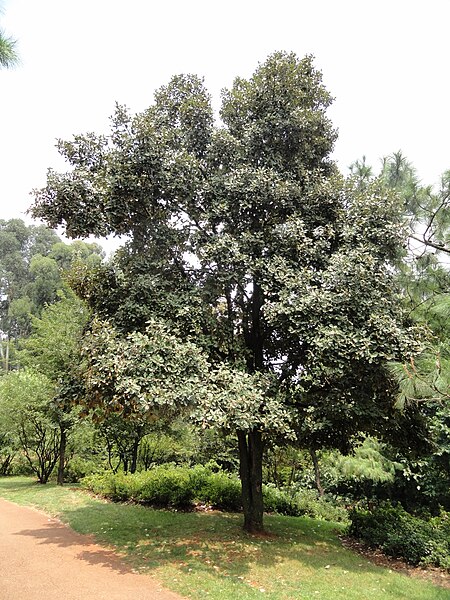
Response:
column 163, row 486
column 178, row 487
column 79, row 467
column 279, row 501
column 311, row 504
column 20, row 466
column 297, row 503
column 402, row 535
column 198, row 477
column 221, row 490
column 116, row 486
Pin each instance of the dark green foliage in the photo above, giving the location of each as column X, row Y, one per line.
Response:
column 8, row 450
column 86, row 453
column 279, row 501
column 424, row 277
column 402, row 535
column 122, row 439
column 245, row 240
column 183, row 444
column 210, row 445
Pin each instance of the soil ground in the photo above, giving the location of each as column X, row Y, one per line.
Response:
column 40, row 558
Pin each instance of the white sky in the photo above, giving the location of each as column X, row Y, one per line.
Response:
column 386, row 62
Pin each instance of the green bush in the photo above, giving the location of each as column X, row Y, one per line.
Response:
column 179, row 487
column 311, row 504
column 221, row 490
column 79, row 467
column 116, row 487
column 297, row 503
column 20, row 466
column 279, row 501
column 163, row 486
column 198, row 477
column 402, row 535
column 171, row 486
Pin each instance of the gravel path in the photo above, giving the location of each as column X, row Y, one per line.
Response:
column 42, row 559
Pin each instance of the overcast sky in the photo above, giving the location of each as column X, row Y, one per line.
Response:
column 385, row 62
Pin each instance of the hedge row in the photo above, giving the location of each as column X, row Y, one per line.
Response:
column 169, row 486
column 180, row 487
column 402, row 535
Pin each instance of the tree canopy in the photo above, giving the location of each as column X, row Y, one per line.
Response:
column 247, row 242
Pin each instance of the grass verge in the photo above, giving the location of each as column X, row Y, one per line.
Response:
column 207, row 555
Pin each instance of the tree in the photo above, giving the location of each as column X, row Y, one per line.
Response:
column 66, row 255
column 362, row 172
column 426, row 381
column 25, row 406
column 8, row 53
column 9, row 446
column 33, row 265
column 425, row 282
column 245, row 239
column 122, row 437
column 53, row 350
column 19, row 296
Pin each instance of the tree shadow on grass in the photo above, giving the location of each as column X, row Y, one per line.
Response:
column 212, row 543
column 213, row 546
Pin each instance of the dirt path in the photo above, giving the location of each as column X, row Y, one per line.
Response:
column 41, row 559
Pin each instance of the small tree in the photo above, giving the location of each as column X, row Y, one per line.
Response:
column 122, row 438
column 53, row 349
column 25, row 401
column 9, row 445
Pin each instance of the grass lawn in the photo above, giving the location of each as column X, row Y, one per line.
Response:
column 207, row 555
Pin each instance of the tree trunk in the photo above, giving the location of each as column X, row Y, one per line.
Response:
column 250, row 470
column 4, row 354
column 134, row 454
column 251, row 444
column 62, row 455
column 319, row 487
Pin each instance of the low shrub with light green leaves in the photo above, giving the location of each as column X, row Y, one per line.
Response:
column 217, row 488
column 299, row 503
column 171, row 486
column 115, row 486
column 162, row 486
column 279, row 501
column 179, row 487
